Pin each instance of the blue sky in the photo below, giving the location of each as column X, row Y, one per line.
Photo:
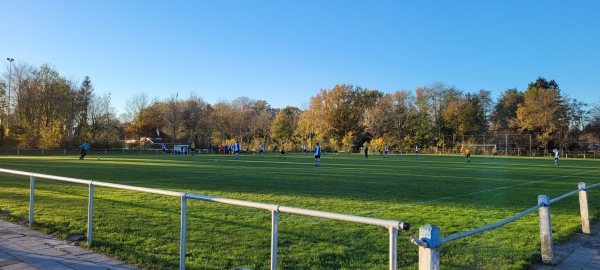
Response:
column 284, row 52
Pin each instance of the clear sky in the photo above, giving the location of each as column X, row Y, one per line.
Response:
column 284, row 52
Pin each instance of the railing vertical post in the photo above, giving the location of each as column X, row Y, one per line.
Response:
column 182, row 236
column 31, row 197
column 274, row 238
column 545, row 228
column 90, row 213
column 393, row 248
column 583, row 208
column 429, row 257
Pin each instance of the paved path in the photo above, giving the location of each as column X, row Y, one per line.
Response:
column 22, row 248
column 581, row 252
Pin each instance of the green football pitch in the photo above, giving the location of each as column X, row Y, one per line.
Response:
column 444, row 191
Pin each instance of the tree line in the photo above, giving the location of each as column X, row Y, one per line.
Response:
column 46, row 110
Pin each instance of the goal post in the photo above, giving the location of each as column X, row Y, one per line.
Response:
column 507, row 144
column 480, row 149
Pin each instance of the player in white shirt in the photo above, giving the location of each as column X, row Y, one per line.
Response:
column 261, row 149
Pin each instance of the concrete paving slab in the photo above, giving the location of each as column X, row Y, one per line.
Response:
column 22, row 248
column 581, row 252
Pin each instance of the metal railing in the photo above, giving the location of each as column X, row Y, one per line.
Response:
column 585, row 154
column 393, row 226
column 429, row 240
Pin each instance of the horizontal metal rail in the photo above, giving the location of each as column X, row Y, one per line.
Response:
column 271, row 207
column 392, row 225
column 96, row 183
column 429, row 240
column 141, row 189
column 265, row 206
column 365, row 220
column 59, row 178
column 593, row 186
column 489, row 227
column 565, row 195
column 451, row 238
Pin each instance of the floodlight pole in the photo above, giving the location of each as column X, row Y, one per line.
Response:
column 506, row 144
column 530, row 154
column 10, row 60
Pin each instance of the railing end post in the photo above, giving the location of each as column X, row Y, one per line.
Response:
column 429, row 256
column 545, row 229
column 584, row 209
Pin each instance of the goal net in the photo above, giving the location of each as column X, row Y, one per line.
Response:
column 479, row 149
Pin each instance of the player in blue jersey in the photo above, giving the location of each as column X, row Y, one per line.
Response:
column 386, row 150
column 237, row 148
column 83, row 149
column 317, row 155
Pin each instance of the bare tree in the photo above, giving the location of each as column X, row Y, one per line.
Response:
column 98, row 114
column 172, row 116
column 135, row 105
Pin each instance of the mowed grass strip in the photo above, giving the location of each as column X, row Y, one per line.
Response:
column 444, row 191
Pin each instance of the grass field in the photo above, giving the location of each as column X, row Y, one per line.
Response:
column 444, row 191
